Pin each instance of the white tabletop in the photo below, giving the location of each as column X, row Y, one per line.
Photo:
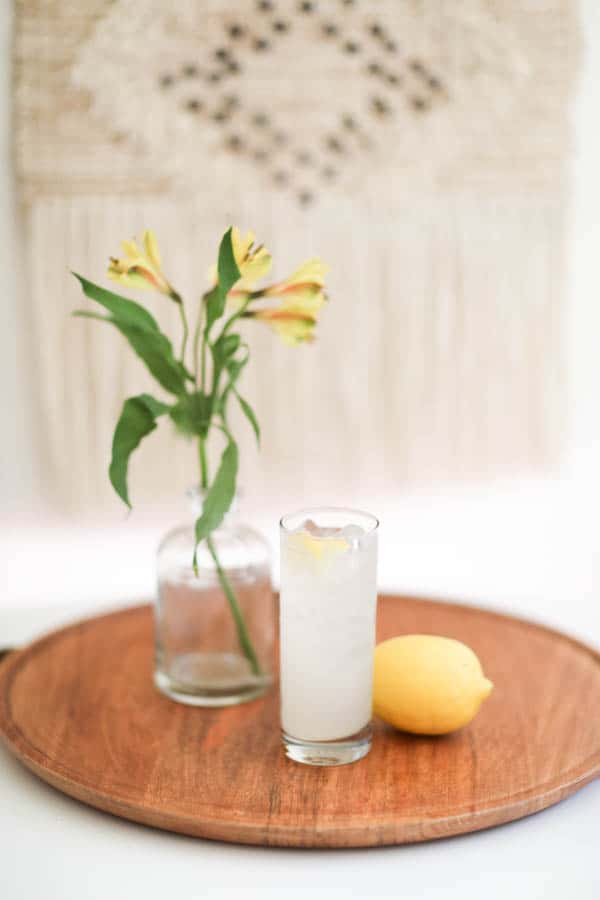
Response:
column 542, row 563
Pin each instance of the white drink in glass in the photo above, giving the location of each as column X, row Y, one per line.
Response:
column 327, row 625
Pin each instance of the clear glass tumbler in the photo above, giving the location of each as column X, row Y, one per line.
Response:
column 328, row 604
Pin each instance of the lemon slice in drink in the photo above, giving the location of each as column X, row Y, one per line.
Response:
column 321, row 548
column 320, row 543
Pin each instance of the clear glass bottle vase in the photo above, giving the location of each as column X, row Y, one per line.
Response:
column 214, row 630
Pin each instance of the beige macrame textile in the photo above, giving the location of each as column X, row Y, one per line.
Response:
column 418, row 147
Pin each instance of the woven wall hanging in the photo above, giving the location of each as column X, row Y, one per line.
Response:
column 418, row 146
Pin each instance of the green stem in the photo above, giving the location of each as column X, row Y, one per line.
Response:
column 240, row 626
column 197, row 333
column 186, row 331
column 203, row 463
column 238, row 618
column 239, row 312
column 179, row 301
column 203, row 362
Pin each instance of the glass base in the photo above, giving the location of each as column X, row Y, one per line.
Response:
column 210, row 679
column 328, row 753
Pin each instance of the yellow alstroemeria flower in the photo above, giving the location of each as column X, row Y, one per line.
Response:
column 302, row 297
column 141, row 269
column 253, row 262
column 292, row 326
column 312, row 272
column 303, row 291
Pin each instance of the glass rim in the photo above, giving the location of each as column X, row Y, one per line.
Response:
column 353, row 511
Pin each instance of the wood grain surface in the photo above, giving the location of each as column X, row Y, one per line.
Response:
column 78, row 707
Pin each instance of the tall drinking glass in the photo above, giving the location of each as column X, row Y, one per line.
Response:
column 328, row 603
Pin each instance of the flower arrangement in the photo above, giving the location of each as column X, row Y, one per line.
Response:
column 201, row 389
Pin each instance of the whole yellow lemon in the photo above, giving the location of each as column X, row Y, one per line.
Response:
column 427, row 684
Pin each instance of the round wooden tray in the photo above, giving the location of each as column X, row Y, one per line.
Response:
column 78, row 708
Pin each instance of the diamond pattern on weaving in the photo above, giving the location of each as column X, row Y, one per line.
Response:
column 304, row 97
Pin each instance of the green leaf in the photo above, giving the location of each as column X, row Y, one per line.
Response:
column 222, row 351
column 144, row 336
column 86, row 314
column 122, row 309
column 227, row 267
column 154, row 349
column 228, row 274
column 234, row 369
column 156, row 407
column 226, row 346
column 214, row 308
column 219, row 496
column 192, row 414
column 250, row 415
column 137, row 420
column 156, row 352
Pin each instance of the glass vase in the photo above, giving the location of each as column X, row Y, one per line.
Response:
column 214, row 628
